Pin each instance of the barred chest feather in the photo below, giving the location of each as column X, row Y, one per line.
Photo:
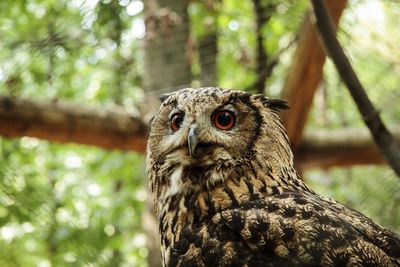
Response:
column 248, row 221
column 190, row 212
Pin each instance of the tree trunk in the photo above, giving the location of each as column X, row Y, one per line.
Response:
column 208, row 50
column 166, row 69
column 167, row 33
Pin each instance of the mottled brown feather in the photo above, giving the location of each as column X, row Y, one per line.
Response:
column 239, row 201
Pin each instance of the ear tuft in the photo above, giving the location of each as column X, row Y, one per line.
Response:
column 163, row 97
column 276, row 104
column 273, row 103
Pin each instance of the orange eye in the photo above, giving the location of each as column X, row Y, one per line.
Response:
column 224, row 119
column 176, row 121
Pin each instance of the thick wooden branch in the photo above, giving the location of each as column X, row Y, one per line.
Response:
column 115, row 128
column 383, row 138
column 111, row 128
column 339, row 148
column 305, row 74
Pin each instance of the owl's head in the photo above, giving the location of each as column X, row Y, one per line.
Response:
column 199, row 135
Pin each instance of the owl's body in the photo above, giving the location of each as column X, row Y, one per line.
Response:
column 226, row 192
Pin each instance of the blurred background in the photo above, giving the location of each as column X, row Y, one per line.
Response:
column 66, row 204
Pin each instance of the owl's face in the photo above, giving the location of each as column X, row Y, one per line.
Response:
column 203, row 132
column 202, row 127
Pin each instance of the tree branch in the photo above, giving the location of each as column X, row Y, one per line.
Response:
column 339, row 148
column 262, row 14
column 304, row 75
column 385, row 141
column 111, row 128
column 115, row 128
column 268, row 68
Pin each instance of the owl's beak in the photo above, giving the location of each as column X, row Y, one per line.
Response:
column 192, row 140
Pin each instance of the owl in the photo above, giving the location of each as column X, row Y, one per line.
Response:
column 226, row 192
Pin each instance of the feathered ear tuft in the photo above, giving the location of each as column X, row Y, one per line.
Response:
column 276, row 104
column 163, row 97
column 273, row 103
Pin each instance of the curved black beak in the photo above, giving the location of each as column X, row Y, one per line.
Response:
column 192, row 140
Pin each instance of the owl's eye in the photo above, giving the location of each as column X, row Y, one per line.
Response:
column 224, row 119
column 176, row 121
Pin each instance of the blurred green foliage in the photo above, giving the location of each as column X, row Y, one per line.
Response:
column 71, row 205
